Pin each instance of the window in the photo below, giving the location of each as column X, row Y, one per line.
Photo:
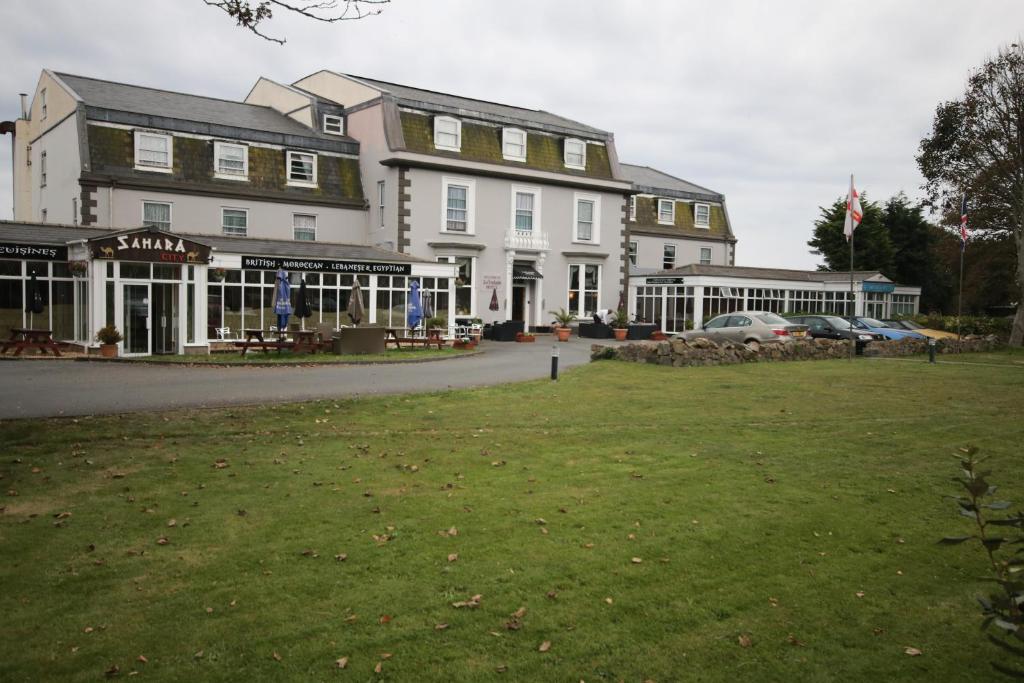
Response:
column 463, row 283
column 702, row 215
column 304, row 227
column 584, row 285
column 632, row 253
column 575, row 154
column 668, row 261
column 705, row 256
column 156, row 215
column 153, row 152
column 513, row 144
column 334, row 124
column 587, row 219
column 42, row 103
column 447, row 133
column 632, row 207
column 457, row 205
column 235, row 222
column 301, row 169
column 380, row 201
column 524, row 211
column 231, row 161
column 666, row 211
column 42, row 169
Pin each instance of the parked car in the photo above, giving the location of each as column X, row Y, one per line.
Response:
column 920, row 329
column 834, row 327
column 878, row 327
column 749, row 327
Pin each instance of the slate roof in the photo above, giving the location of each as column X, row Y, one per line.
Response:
column 414, row 97
column 775, row 273
column 98, row 94
column 652, row 181
column 50, row 234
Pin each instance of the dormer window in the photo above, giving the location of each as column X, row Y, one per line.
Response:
column 301, row 169
column 153, row 152
column 447, row 133
column 231, row 161
column 576, row 154
column 334, row 124
column 666, row 211
column 702, row 215
column 513, row 144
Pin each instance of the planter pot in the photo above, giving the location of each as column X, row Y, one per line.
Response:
column 108, row 350
column 658, row 336
column 523, row 337
column 563, row 333
column 620, row 333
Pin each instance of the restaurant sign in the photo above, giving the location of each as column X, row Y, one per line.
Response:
column 37, row 252
column 664, row 280
column 150, row 245
column 321, row 266
column 881, row 287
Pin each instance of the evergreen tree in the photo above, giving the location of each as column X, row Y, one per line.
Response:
column 873, row 250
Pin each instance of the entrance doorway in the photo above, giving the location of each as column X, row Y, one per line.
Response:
column 150, row 318
column 519, row 302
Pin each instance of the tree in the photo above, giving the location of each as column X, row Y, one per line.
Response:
column 976, row 149
column 328, row 11
column 872, row 247
column 917, row 259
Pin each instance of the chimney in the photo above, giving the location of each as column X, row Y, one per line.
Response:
column 24, row 106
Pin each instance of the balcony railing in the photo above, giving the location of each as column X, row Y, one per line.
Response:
column 527, row 240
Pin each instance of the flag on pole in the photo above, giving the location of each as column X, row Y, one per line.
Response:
column 963, row 224
column 854, row 213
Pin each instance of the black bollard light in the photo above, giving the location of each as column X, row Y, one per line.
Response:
column 931, row 350
column 554, row 363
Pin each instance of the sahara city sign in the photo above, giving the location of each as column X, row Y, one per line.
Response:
column 150, row 245
column 319, row 266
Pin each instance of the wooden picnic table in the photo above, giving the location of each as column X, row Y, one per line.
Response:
column 305, row 341
column 24, row 338
column 256, row 339
column 432, row 337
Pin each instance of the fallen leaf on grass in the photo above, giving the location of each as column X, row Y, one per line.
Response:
column 172, row 522
column 277, row 657
column 162, row 541
column 588, row 546
column 501, row 669
column 541, row 521
column 545, row 646
column 384, row 619
column 609, row 601
column 220, row 463
column 452, row 557
column 112, row 671
column 309, row 552
column 859, row 594
column 385, row 655
column 88, row 629
column 636, row 560
column 519, row 613
column 774, row 602
column 912, row 651
column 552, row 595
column 341, row 663
column 198, row 655
column 472, row 603
column 793, row 640
column 544, row 530
column 744, row 640
column 440, row 627
column 142, row 658
column 380, row 667
column 341, row 557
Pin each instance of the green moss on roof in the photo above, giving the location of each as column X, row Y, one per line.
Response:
column 484, row 144
column 647, row 216
column 110, row 148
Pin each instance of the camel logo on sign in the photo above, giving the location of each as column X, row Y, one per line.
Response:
column 151, row 245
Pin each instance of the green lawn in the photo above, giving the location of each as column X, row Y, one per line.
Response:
column 288, row 358
column 794, row 504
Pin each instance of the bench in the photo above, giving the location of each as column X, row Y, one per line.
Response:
column 254, row 339
column 433, row 337
column 23, row 338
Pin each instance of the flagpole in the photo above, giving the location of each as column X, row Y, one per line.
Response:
column 853, row 299
column 960, row 293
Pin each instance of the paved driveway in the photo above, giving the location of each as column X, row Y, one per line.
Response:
column 49, row 388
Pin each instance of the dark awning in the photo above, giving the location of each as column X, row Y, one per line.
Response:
column 523, row 272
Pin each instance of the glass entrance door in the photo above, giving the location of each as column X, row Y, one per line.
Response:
column 136, row 320
column 165, row 317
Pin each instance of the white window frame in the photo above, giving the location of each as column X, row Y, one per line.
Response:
column 595, row 227
column 458, row 133
column 536, row 227
column 583, row 152
column 288, row 169
column 696, row 222
column 380, row 200
column 42, row 168
column 470, row 186
column 506, row 133
column 672, row 204
column 223, row 227
column 42, row 104
column 664, row 255
column 633, row 252
column 632, row 208
column 452, row 259
column 337, row 119
column 218, row 146
column 706, row 261
column 170, row 213
column 579, row 310
column 294, row 227
column 139, row 134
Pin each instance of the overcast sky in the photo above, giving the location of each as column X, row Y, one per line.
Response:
column 773, row 104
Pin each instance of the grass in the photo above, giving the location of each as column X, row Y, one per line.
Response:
column 761, row 499
column 272, row 358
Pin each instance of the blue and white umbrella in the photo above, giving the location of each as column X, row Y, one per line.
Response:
column 282, row 300
column 415, row 311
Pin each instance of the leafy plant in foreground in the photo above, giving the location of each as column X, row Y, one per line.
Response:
column 996, row 537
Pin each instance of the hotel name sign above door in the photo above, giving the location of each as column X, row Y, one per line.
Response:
column 152, row 246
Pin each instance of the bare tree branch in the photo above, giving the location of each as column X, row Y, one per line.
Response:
column 249, row 14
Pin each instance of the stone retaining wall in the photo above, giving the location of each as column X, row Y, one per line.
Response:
column 681, row 353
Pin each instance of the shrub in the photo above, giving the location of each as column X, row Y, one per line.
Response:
column 108, row 335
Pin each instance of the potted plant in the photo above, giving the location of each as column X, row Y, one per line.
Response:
column 108, row 337
column 476, row 326
column 436, row 323
column 620, row 324
column 78, row 268
column 564, row 318
column 217, row 274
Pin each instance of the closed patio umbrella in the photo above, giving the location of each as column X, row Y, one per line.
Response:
column 33, row 299
column 355, row 304
column 415, row 310
column 282, row 301
column 302, row 307
column 428, row 303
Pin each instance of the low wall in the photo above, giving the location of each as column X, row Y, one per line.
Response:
column 681, row 353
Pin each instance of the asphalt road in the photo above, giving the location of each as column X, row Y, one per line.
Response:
column 53, row 388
